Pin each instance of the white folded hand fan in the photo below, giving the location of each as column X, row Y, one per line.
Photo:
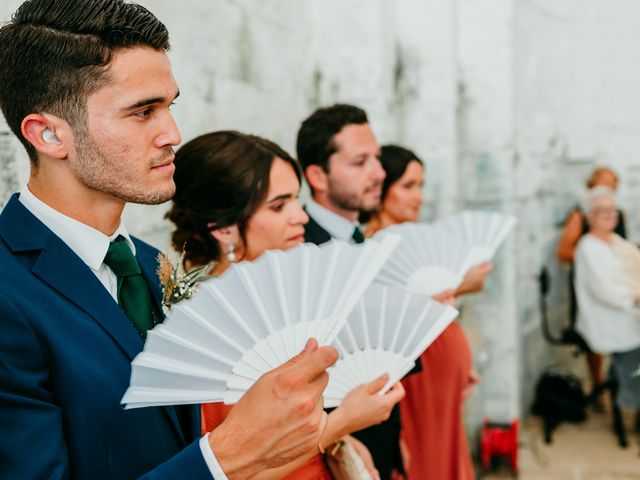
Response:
column 484, row 230
column 427, row 261
column 255, row 317
column 386, row 332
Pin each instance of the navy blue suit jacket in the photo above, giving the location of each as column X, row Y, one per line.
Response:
column 65, row 353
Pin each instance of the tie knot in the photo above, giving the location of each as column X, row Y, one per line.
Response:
column 358, row 236
column 120, row 258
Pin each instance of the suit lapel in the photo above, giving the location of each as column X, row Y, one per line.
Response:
column 148, row 265
column 314, row 233
column 60, row 268
column 63, row 271
column 148, row 262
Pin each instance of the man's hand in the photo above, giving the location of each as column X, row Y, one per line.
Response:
column 474, row 278
column 278, row 419
column 363, row 407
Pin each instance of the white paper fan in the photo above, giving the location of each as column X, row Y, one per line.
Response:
column 389, row 328
column 484, row 230
column 427, row 261
column 256, row 316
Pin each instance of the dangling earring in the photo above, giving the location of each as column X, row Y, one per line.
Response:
column 231, row 256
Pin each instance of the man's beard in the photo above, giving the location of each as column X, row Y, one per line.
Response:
column 348, row 201
column 97, row 171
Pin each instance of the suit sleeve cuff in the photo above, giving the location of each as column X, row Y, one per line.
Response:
column 211, row 460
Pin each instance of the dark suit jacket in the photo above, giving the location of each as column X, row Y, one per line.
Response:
column 314, row 233
column 65, row 353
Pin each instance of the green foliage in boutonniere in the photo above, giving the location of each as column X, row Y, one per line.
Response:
column 177, row 285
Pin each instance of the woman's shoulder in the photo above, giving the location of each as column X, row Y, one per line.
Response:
column 589, row 243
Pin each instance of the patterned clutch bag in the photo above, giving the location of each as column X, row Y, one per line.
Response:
column 344, row 463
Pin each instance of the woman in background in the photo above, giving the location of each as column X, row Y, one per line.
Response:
column 607, row 283
column 577, row 223
column 433, row 437
column 576, row 226
column 236, row 196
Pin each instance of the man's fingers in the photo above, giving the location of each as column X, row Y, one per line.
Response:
column 310, row 347
column 377, row 384
column 319, row 383
column 315, row 363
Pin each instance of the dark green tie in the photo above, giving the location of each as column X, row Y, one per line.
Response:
column 358, row 236
column 133, row 292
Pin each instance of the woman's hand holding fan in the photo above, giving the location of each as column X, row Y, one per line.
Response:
column 473, row 280
column 363, row 407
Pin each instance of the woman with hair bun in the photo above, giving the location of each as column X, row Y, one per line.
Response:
column 236, row 196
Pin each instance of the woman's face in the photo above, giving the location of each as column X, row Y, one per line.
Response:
column 604, row 215
column 404, row 197
column 278, row 224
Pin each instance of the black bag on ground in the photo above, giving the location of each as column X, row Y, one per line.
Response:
column 559, row 398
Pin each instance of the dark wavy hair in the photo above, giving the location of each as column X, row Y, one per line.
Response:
column 221, row 179
column 394, row 160
column 55, row 53
column 315, row 143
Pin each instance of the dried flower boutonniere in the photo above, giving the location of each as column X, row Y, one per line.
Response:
column 177, row 285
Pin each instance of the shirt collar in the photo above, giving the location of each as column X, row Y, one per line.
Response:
column 337, row 226
column 88, row 243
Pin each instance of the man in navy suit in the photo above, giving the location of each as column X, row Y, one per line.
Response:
column 86, row 86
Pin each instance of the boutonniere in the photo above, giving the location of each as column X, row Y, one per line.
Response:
column 178, row 285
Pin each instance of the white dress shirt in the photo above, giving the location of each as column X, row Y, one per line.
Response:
column 606, row 315
column 91, row 246
column 337, row 226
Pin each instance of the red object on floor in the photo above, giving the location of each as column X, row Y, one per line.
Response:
column 499, row 440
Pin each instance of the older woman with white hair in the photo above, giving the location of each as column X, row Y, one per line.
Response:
column 607, row 283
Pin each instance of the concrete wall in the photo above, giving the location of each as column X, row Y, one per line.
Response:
column 510, row 103
column 576, row 80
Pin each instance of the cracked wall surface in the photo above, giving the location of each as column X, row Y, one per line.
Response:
column 510, row 106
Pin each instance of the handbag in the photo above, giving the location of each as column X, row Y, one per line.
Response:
column 344, row 463
column 559, row 398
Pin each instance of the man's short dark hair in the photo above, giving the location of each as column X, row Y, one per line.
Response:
column 55, row 53
column 315, row 142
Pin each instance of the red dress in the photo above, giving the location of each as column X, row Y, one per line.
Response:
column 431, row 411
column 213, row 414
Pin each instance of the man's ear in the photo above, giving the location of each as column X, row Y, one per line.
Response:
column 227, row 235
column 49, row 135
column 318, row 179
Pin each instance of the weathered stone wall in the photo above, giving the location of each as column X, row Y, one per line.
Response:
column 510, row 103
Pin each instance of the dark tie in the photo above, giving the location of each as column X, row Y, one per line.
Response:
column 357, row 236
column 133, row 293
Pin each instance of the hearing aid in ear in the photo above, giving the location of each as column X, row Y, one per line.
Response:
column 50, row 137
